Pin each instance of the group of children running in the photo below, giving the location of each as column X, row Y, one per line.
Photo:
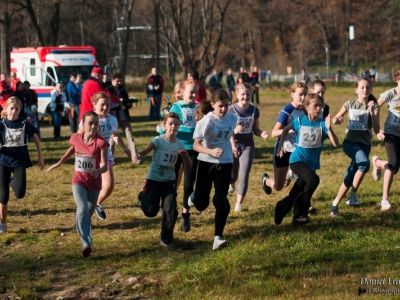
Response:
column 211, row 143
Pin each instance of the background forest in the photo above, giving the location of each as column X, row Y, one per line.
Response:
column 178, row 35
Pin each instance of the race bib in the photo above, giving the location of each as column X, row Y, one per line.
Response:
column 246, row 123
column 15, row 137
column 84, row 163
column 189, row 120
column 222, row 132
column 310, row 137
column 168, row 158
column 395, row 117
column 358, row 119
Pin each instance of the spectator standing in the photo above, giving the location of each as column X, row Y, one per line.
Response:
column 214, row 82
column 263, row 75
column 14, row 80
column 339, row 75
column 58, row 99
column 230, row 84
column 255, row 85
column 269, row 75
column 92, row 86
column 5, row 90
column 243, row 75
column 155, row 89
column 74, row 99
column 304, row 77
column 33, row 96
column 19, row 93
column 202, row 94
column 372, row 73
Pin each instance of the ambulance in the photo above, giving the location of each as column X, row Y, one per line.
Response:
column 44, row 67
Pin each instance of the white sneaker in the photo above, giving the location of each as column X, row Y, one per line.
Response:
column 219, row 243
column 190, row 200
column 376, row 173
column 238, row 207
column 385, row 205
column 3, row 228
column 352, row 201
column 231, row 188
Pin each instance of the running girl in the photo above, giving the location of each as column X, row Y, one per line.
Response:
column 90, row 162
column 14, row 155
column 214, row 140
column 160, row 182
column 185, row 109
column 319, row 87
column 391, row 135
column 311, row 131
column 247, row 125
column 363, row 115
column 298, row 92
column 108, row 131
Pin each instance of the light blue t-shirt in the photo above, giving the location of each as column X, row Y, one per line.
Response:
column 188, row 122
column 309, row 140
column 164, row 159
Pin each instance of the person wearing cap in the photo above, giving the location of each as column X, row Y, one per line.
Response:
column 92, row 86
column 155, row 88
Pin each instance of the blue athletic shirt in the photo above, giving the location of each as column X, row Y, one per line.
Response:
column 286, row 116
column 309, row 140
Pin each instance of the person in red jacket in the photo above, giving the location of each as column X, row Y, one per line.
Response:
column 14, row 80
column 5, row 90
column 202, row 94
column 92, row 86
column 154, row 91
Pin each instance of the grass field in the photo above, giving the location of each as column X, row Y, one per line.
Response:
column 329, row 258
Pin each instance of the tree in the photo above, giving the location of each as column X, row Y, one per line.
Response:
column 194, row 31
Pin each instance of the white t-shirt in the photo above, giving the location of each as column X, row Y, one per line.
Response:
column 215, row 132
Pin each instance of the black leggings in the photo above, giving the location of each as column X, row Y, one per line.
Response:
column 189, row 175
column 19, row 183
column 392, row 144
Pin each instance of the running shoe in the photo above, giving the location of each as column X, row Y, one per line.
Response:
column 238, row 207
column 100, row 212
column 281, row 211
column 334, row 211
column 301, row 220
column 288, row 177
column 352, row 201
column 219, row 243
column 231, row 188
column 3, row 228
column 385, row 205
column 185, row 222
column 312, row 210
column 169, row 246
column 266, row 188
column 376, row 173
column 191, row 199
column 86, row 251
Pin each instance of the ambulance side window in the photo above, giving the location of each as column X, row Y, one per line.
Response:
column 49, row 81
column 32, row 64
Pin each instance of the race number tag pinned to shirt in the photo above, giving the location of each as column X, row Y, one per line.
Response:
column 84, row 164
column 168, row 158
column 189, row 120
column 310, row 137
column 246, row 123
column 395, row 116
column 358, row 119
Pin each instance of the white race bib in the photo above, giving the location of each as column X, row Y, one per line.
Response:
column 358, row 119
column 168, row 158
column 246, row 123
column 310, row 137
column 395, row 117
column 84, row 163
column 189, row 120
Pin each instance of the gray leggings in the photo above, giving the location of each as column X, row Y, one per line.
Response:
column 86, row 201
column 245, row 161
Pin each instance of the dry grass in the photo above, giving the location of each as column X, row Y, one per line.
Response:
column 325, row 259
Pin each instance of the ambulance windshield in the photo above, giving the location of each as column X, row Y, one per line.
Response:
column 64, row 72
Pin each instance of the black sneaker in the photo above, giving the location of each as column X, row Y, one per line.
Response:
column 100, row 212
column 266, row 188
column 185, row 222
column 301, row 220
column 140, row 196
column 281, row 211
column 312, row 210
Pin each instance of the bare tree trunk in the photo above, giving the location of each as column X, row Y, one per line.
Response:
column 5, row 24
column 55, row 23
column 125, row 42
column 32, row 16
column 157, row 25
column 80, row 10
